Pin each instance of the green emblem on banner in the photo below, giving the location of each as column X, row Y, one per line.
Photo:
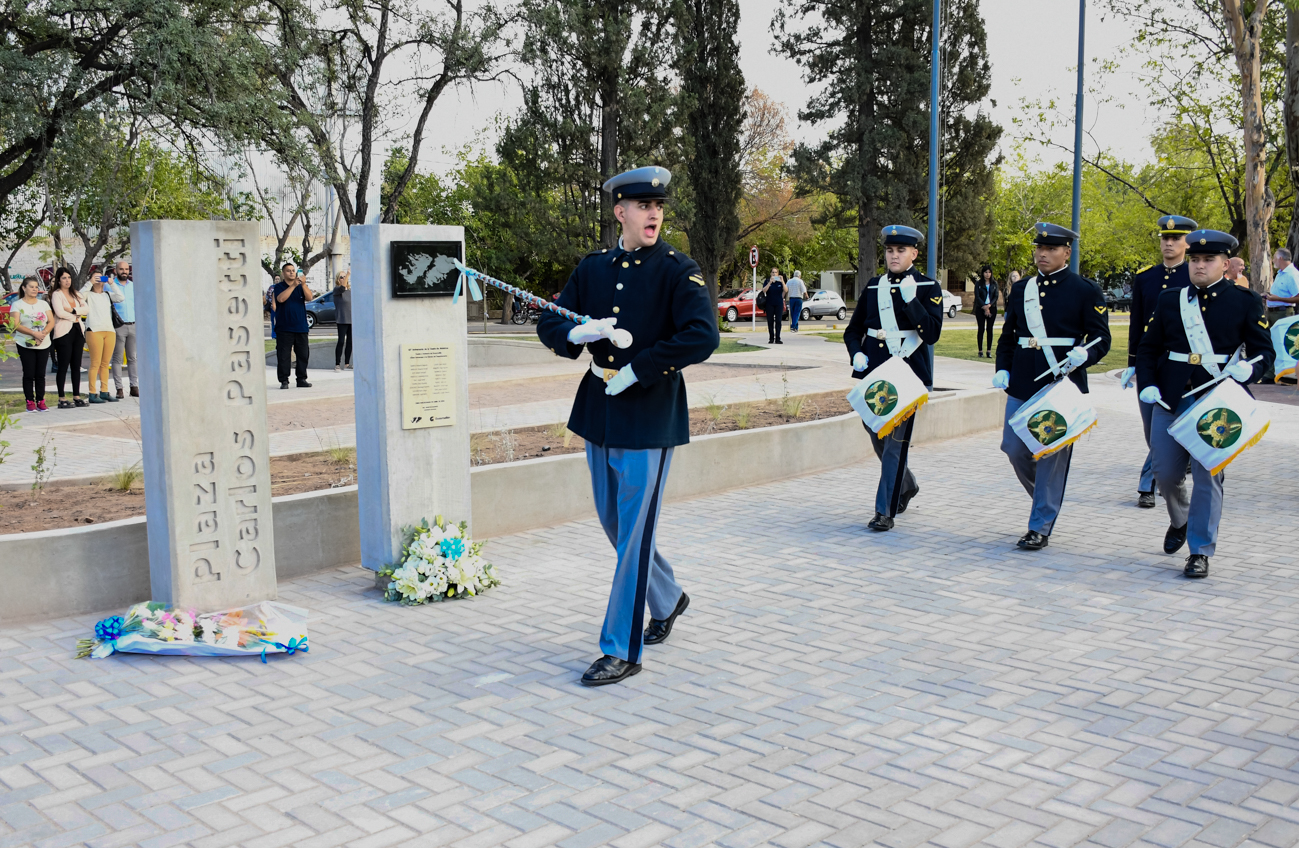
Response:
column 1291, row 342
column 1220, row 428
column 882, row 397
column 1048, row 426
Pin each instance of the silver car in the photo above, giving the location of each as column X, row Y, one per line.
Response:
column 823, row 303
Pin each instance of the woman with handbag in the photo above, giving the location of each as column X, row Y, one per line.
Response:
column 69, row 338
column 101, row 337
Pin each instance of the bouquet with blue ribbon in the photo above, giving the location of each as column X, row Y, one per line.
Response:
column 439, row 562
column 264, row 628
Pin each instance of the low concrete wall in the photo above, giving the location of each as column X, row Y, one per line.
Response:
column 106, row 566
column 482, row 352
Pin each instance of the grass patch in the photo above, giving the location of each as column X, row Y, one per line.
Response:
column 125, row 478
column 735, row 346
column 964, row 345
column 17, row 403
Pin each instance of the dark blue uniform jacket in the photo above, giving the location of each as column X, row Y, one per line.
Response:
column 1147, row 286
column 657, row 294
column 1072, row 307
column 924, row 314
column 1232, row 315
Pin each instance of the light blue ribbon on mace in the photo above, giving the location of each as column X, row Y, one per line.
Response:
column 292, row 648
column 471, row 275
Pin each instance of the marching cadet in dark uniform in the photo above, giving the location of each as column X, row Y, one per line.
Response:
column 1169, row 366
column 1068, row 312
column 631, row 408
column 917, row 303
column 1147, row 286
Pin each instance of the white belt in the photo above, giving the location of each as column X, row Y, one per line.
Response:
column 1054, row 341
column 890, row 334
column 605, row 374
column 1196, row 358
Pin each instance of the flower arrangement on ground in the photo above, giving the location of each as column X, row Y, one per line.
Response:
column 153, row 628
column 438, row 561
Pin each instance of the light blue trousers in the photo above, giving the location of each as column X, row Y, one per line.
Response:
column 628, row 487
column 1044, row 479
column 896, row 478
column 1201, row 512
column 1147, row 483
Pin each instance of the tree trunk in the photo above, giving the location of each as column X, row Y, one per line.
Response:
column 505, row 310
column 1245, row 35
column 608, row 158
column 1290, row 115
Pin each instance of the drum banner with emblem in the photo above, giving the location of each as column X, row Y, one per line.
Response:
column 1285, row 340
column 1053, row 419
column 888, row 395
column 1220, row 426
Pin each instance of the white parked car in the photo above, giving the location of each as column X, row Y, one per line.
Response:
column 951, row 303
column 821, row 303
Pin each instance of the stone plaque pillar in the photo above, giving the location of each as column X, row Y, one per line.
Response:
column 207, row 480
column 407, row 470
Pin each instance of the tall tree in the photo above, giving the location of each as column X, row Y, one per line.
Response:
column 1245, row 29
column 712, row 116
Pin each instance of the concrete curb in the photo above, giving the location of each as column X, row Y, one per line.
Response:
column 106, row 566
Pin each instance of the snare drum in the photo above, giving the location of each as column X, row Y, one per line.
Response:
column 1053, row 419
column 1285, row 341
column 887, row 396
column 1220, row 426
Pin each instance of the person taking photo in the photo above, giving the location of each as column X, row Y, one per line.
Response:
column 291, row 296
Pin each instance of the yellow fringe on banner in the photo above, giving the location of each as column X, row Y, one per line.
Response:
column 1059, row 446
column 1243, row 448
column 906, row 413
column 1286, row 373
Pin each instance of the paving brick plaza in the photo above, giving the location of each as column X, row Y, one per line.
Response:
column 829, row 686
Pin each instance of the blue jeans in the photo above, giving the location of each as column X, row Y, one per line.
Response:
column 795, row 309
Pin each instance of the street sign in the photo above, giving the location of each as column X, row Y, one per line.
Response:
column 753, row 257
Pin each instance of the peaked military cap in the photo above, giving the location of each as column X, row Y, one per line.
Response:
column 1211, row 241
column 1176, row 225
column 1053, row 234
column 640, row 183
column 898, row 234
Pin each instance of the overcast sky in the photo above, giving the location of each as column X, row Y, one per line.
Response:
column 1024, row 67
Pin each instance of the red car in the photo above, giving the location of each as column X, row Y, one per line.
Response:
column 737, row 304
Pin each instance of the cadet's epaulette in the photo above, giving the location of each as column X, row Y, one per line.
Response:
column 1145, row 269
column 596, row 252
column 678, row 255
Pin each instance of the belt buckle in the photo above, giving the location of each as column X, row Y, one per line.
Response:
column 1034, row 344
column 881, row 334
column 609, row 373
column 1193, row 359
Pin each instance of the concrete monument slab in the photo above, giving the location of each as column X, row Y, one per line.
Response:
column 207, row 480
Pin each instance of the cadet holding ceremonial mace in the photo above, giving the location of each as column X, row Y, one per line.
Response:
column 898, row 313
column 631, row 408
column 1186, row 351
column 1147, row 286
column 1056, row 325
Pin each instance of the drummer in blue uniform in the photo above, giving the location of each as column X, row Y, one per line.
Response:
column 1050, row 318
column 631, row 407
column 872, row 338
column 1147, row 286
column 1171, row 364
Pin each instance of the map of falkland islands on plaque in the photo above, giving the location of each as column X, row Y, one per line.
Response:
column 424, row 268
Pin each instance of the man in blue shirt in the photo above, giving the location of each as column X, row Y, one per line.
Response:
column 291, row 296
column 123, row 284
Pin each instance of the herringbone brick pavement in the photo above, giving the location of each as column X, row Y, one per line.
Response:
column 929, row 686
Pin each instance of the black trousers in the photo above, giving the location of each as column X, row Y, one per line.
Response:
column 985, row 321
column 70, row 346
column 33, row 371
column 774, row 320
column 287, row 343
column 343, row 355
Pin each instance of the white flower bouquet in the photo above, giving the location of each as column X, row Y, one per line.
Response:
column 438, row 561
column 152, row 628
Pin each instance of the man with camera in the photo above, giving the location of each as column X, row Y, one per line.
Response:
column 121, row 283
column 291, row 328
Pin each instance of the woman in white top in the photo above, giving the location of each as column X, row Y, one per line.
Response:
column 69, row 338
column 34, row 323
column 101, row 337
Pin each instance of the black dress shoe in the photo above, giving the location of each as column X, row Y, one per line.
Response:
column 1146, row 500
column 284, row 385
column 880, row 523
column 608, row 670
column 1197, row 566
column 905, row 500
column 659, row 628
column 1033, row 541
column 1174, row 539
column 304, row 385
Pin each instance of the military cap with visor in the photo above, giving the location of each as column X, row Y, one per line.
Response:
column 1176, row 225
column 1053, row 234
column 648, row 183
column 905, row 236
column 1211, row 241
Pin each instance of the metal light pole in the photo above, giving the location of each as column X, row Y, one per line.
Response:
column 1077, row 142
column 931, row 259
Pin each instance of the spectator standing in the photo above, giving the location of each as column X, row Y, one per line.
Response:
column 1236, row 272
column 270, row 302
column 101, row 337
column 774, row 305
column 32, row 337
column 291, row 296
column 343, row 320
column 1285, row 287
column 124, row 345
column 69, row 335
column 797, row 291
column 985, row 308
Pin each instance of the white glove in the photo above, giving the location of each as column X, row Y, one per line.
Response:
column 859, row 361
column 1128, row 378
column 621, row 338
column 1240, row 371
column 907, row 288
column 592, row 331
column 1077, row 357
column 1150, row 394
column 1001, row 380
column 624, row 378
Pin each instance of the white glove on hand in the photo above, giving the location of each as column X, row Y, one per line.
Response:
column 624, row 378
column 621, row 339
column 1001, row 380
column 859, row 362
column 1128, row 378
column 907, row 288
column 1077, row 357
column 1240, row 371
column 592, row 331
column 1150, row 394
